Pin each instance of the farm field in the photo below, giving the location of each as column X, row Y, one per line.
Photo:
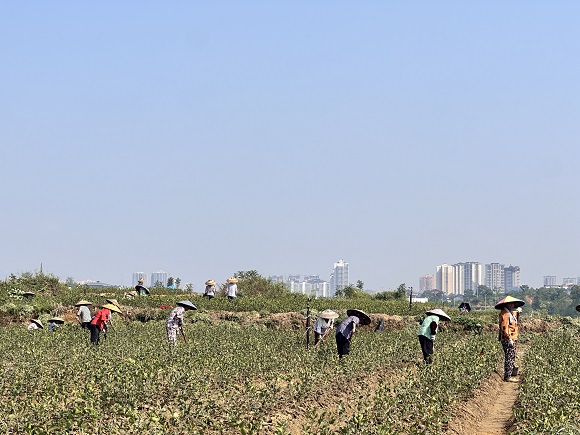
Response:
column 228, row 379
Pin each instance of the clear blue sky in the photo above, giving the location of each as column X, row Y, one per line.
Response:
column 203, row 138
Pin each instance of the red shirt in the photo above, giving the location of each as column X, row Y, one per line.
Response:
column 102, row 317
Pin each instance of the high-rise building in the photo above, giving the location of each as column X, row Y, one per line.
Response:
column 570, row 281
column 137, row 276
column 511, row 277
column 426, row 283
column 494, row 277
column 468, row 277
column 158, row 277
column 276, row 278
column 446, row 279
column 339, row 277
column 550, row 281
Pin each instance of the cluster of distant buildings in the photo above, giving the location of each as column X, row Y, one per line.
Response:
column 551, row 281
column 150, row 279
column 456, row 279
column 313, row 285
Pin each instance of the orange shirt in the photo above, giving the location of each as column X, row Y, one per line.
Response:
column 507, row 330
column 102, row 317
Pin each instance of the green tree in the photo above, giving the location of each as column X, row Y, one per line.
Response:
column 251, row 283
column 177, row 282
column 401, row 291
column 170, row 281
column 360, row 284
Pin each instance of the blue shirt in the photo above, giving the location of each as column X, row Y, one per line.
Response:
column 425, row 328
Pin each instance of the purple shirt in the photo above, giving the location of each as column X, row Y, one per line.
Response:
column 346, row 326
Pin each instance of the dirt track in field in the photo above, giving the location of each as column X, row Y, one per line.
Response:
column 490, row 410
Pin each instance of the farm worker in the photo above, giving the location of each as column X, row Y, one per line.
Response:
column 232, row 288
column 141, row 289
column 210, row 289
column 428, row 331
column 347, row 328
column 175, row 320
column 508, row 333
column 100, row 321
column 324, row 323
column 83, row 313
column 54, row 323
column 34, row 324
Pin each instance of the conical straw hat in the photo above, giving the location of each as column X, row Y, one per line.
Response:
column 58, row 320
column 187, row 304
column 38, row 322
column 577, row 307
column 114, row 302
column 112, row 308
column 508, row 299
column 440, row 313
column 83, row 302
column 232, row 280
column 210, row 282
column 364, row 317
column 327, row 314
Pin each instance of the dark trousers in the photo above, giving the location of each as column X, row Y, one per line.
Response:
column 426, row 348
column 509, row 358
column 95, row 333
column 86, row 325
column 342, row 345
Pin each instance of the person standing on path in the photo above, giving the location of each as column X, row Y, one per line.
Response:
column 508, row 333
column 347, row 328
column 174, row 321
column 428, row 332
column 232, row 288
column 210, row 289
column 84, row 314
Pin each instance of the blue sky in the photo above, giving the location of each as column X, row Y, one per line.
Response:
column 203, row 138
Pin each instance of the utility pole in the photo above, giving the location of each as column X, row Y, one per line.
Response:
column 410, row 298
column 307, row 323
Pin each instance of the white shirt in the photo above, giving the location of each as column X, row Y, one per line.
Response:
column 232, row 289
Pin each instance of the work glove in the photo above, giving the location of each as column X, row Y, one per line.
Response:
column 511, row 342
column 433, row 337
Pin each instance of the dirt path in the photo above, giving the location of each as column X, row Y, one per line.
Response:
column 490, row 410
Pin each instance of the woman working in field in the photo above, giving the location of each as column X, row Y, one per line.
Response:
column 428, row 332
column 174, row 321
column 210, row 289
column 508, row 333
column 324, row 323
column 100, row 321
column 347, row 328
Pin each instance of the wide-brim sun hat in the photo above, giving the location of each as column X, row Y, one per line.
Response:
column 38, row 322
column 328, row 315
column 517, row 302
column 210, row 282
column 28, row 294
column 186, row 304
column 112, row 308
column 439, row 312
column 577, row 307
column 58, row 320
column 140, row 280
column 83, row 302
column 232, row 280
column 364, row 317
column 114, row 302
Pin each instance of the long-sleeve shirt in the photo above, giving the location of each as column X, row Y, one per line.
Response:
column 429, row 327
column 84, row 313
column 347, row 326
column 101, row 318
column 508, row 326
column 210, row 290
column 175, row 318
column 322, row 325
column 232, row 289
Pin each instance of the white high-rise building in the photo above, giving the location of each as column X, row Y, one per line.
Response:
column 339, row 277
column 137, row 276
column 468, row 277
column 158, row 277
column 494, row 277
column 550, row 281
column 511, row 277
column 446, row 279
